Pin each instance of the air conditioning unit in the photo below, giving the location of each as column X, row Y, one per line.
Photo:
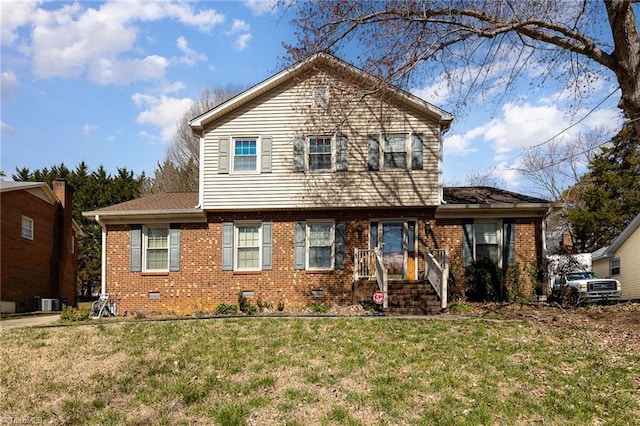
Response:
column 48, row 305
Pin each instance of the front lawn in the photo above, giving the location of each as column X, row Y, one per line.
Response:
column 324, row 371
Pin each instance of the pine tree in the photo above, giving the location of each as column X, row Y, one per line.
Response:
column 611, row 197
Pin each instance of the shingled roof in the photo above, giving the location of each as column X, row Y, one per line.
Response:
column 486, row 195
column 159, row 201
column 169, row 206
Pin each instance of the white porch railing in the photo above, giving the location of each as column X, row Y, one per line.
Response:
column 368, row 266
column 437, row 271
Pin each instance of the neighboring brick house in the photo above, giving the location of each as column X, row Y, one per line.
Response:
column 318, row 185
column 38, row 245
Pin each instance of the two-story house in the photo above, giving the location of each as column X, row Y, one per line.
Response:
column 39, row 243
column 320, row 184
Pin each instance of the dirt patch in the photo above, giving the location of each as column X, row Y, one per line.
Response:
column 608, row 325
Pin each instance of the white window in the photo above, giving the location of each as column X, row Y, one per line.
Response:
column 615, row 266
column 156, row 249
column 248, row 242
column 320, row 245
column 320, row 153
column 27, row 228
column 395, row 152
column 245, row 155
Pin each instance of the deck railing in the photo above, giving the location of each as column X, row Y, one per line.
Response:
column 437, row 271
column 368, row 265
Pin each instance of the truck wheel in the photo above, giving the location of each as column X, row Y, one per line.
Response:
column 570, row 296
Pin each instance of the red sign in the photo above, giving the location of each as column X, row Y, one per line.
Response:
column 378, row 297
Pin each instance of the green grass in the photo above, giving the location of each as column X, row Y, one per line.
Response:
column 321, row 371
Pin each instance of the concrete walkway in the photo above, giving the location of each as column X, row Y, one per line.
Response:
column 28, row 321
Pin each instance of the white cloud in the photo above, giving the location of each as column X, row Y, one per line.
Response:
column 242, row 42
column 20, row 15
column 9, row 85
column 6, row 129
column 87, row 129
column 508, row 173
column 125, row 71
column 460, row 144
column 191, row 57
column 69, row 40
column 261, row 7
column 162, row 112
column 240, row 27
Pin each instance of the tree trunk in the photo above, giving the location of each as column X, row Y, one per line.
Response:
column 626, row 55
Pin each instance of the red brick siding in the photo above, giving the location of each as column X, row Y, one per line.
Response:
column 201, row 284
column 29, row 267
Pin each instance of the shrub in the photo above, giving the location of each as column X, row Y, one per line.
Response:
column 69, row 313
column 245, row 306
column 320, row 308
column 280, row 306
column 485, row 282
column 226, row 309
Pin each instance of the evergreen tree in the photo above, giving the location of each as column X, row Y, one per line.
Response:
column 92, row 190
column 610, row 193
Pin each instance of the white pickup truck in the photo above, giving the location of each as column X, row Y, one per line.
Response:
column 572, row 281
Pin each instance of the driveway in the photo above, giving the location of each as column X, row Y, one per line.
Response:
column 28, row 321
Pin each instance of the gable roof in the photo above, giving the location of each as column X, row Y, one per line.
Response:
column 319, row 59
column 168, row 206
column 39, row 189
column 610, row 251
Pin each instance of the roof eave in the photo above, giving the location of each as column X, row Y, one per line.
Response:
column 132, row 216
column 471, row 210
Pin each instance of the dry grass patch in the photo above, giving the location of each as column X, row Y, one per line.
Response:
column 319, row 371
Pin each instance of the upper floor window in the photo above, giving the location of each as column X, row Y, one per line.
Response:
column 320, row 153
column 399, row 151
column 245, row 155
column 27, row 228
column 395, row 152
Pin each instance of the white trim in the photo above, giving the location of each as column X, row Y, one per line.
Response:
column 332, row 225
column 232, row 155
column 307, row 153
column 236, row 245
column 31, row 229
column 145, row 247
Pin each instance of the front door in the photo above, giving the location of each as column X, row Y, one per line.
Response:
column 393, row 249
column 397, row 242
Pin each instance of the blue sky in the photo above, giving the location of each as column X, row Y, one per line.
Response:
column 106, row 82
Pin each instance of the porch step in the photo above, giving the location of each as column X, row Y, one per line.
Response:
column 412, row 298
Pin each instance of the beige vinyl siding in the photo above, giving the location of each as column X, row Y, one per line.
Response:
column 630, row 267
column 286, row 112
column 629, row 276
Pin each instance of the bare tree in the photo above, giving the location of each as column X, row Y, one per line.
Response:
column 553, row 168
column 482, row 45
column 179, row 170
